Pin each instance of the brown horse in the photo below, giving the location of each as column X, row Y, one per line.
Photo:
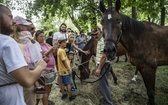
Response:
column 84, row 68
column 146, row 43
column 121, row 51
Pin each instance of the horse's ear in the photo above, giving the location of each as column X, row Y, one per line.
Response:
column 117, row 5
column 102, row 6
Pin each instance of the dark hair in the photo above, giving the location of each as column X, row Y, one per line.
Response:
column 95, row 30
column 61, row 26
column 37, row 33
column 81, row 32
column 50, row 33
column 60, row 41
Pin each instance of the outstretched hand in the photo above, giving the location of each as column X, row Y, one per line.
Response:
column 86, row 52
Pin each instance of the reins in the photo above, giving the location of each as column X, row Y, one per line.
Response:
column 97, row 79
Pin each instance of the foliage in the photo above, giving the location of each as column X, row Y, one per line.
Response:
column 84, row 14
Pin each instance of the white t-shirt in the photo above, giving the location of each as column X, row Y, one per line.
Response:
column 11, row 58
column 99, row 50
column 59, row 35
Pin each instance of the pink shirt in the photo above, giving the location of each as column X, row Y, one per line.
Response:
column 51, row 62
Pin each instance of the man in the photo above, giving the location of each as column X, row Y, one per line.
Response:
column 103, row 65
column 60, row 34
column 14, row 72
column 31, row 27
column 31, row 98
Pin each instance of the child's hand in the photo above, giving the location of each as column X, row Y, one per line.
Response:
column 70, row 71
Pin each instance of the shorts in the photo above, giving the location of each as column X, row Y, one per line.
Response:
column 66, row 79
column 49, row 77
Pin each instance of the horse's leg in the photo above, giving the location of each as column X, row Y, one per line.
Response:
column 117, row 59
column 114, row 76
column 135, row 75
column 148, row 75
column 126, row 58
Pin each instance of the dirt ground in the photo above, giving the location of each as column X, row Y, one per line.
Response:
column 126, row 92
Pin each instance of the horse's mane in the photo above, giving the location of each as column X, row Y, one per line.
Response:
column 130, row 25
column 88, row 44
column 91, row 47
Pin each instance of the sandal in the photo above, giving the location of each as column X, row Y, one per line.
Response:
column 40, row 90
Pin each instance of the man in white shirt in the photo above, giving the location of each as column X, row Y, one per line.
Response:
column 61, row 34
column 14, row 72
column 103, row 69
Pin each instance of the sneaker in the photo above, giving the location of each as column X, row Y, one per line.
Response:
column 73, row 88
column 134, row 78
column 40, row 90
column 72, row 97
column 64, row 96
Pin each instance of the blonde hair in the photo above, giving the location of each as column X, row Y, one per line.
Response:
column 15, row 34
column 70, row 34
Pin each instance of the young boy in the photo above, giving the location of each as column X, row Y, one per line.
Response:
column 71, row 58
column 64, row 70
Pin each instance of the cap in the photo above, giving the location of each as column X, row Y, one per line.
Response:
column 19, row 20
column 71, row 52
column 61, row 39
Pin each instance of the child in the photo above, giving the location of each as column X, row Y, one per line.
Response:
column 64, row 70
column 71, row 57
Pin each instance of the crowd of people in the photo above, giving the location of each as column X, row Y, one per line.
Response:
column 30, row 63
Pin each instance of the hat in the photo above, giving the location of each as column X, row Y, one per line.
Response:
column 19, row 20
column 61, row 39
column 71, row 52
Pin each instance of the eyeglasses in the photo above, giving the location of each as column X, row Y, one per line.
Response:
column 71, row 37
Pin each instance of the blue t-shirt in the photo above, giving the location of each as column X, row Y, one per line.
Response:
column 79, row 39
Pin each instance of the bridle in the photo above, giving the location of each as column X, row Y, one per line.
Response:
column 108, row 39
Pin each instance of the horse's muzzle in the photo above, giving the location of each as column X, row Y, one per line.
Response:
column 110, row 51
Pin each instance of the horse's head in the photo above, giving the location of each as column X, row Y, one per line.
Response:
column 111, row 25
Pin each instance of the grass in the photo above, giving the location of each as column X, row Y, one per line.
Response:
column 126, row 92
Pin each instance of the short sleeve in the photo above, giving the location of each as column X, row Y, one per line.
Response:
column 55, row 36
column 12, row 56
column 62, row 55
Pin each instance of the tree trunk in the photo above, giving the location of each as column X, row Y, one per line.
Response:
column 134, row 11
column 163, row 16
